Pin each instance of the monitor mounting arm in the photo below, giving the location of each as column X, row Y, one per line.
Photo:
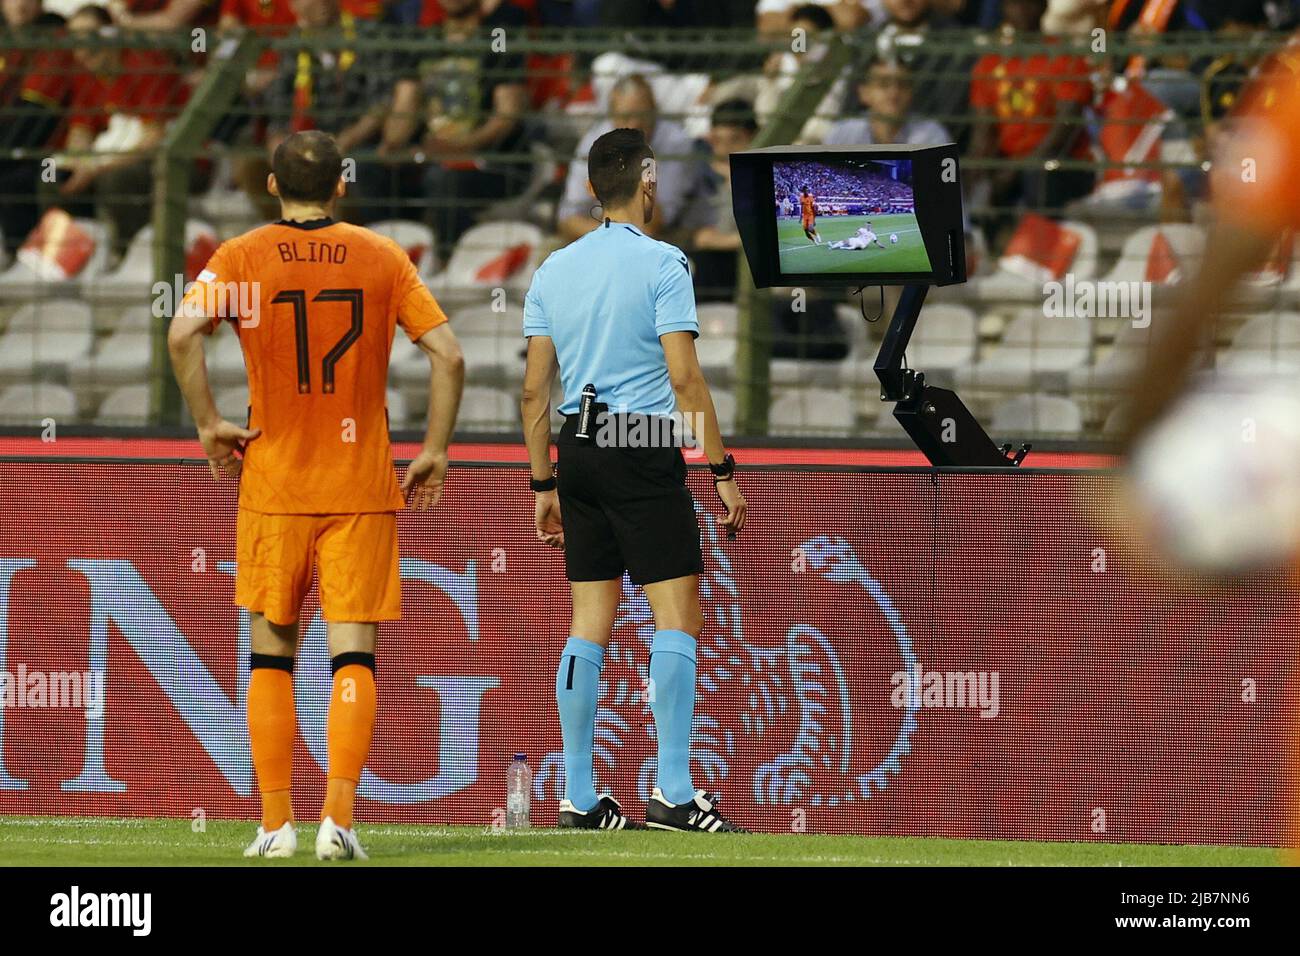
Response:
column 935, row 418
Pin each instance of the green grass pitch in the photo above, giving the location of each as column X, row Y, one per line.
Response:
column 799, row 254
column 62, row 841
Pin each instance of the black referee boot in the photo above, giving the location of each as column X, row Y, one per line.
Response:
column 698, row 815
column 605, row 815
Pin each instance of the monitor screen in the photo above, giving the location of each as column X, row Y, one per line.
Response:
column 847, row 215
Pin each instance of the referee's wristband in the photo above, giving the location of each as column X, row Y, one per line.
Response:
column 546, row 484
column 724, row 471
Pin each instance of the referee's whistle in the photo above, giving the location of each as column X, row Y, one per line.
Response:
column 585, row 408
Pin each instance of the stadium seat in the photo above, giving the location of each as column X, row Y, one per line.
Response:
column 125, row 356
column 492, row 255
column 45, row 337
column 1036, row 414
column 407, row 365
column 811, row 411
column 416, row 238
column 29, row 404
column 485, row 409
column 225, row 358
column 492, row 341
column 944, row 340
column 232, row 403
column 1141, row 259
column 724, row 405
column 133, row 278
column 716, row 346
column 399, row 415
column 1006, row 285
column 21, row 282
column 1265, row 344
column 1034, row 348
column 1113, row 368
column 127, row 405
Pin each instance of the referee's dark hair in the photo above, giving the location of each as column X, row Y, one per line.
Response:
column 307, row 167
column 616, row 163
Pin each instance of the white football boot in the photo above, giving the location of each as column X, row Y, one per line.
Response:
column 335, row 843
column 281, row 844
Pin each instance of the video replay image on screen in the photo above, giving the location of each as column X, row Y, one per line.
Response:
column 847, row 215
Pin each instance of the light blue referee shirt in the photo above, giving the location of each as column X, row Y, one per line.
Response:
column 604, row 300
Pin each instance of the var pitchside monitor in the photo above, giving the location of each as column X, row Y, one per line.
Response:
column 878, row 215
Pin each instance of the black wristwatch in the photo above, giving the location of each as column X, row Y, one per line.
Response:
column 725, row 470
column 546, row 484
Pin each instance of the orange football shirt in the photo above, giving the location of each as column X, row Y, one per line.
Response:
column 316, row 306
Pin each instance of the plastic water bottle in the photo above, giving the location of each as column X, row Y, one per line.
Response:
column 519, row 790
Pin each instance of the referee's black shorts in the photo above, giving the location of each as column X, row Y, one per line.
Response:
column 625, row 509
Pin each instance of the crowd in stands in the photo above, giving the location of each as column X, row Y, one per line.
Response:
column 834, row 185
column 446, row 134
column 451, row 133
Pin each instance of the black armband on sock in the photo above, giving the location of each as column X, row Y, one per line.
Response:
column 273, row 662
column 352, row 657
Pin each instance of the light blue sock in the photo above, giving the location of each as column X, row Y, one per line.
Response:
column 672, row 678
column 577, row 684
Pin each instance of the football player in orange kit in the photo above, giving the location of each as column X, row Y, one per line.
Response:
column 315, row 304
column 1255, row 185
column 808, row 215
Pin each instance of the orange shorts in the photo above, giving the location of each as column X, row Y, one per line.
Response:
column 354, row 555
column 808, row 222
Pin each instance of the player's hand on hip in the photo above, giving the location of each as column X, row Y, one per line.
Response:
column 424, row 478
column 220, row 442
column 734, row 520
column 547, row 514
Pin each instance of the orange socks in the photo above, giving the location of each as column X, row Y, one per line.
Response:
column 351, row 725
column 272, row 725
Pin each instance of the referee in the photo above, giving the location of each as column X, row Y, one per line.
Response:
column 615, row 310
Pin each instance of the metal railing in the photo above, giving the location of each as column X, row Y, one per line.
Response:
column 221, row 133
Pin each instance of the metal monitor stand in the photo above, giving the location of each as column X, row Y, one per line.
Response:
column 935, row 418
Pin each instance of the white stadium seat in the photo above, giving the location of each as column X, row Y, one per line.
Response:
column 1033, row 346
column 811, row 411
column 1007, row 285
column 133, row 278
column 492, row 255
column 1265, row 344
column 125, row 356
column 493, row 343
column 724, row 405
column 1114, row 368
column 21, row 282
column 225, row 358
column 232, row 403
column 716, row 346
column 487, row 410
column 1040, row 414
column 47, row 335
column 1186, row 243
column 127, row 405
column 416, row 238
column 30, row 404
